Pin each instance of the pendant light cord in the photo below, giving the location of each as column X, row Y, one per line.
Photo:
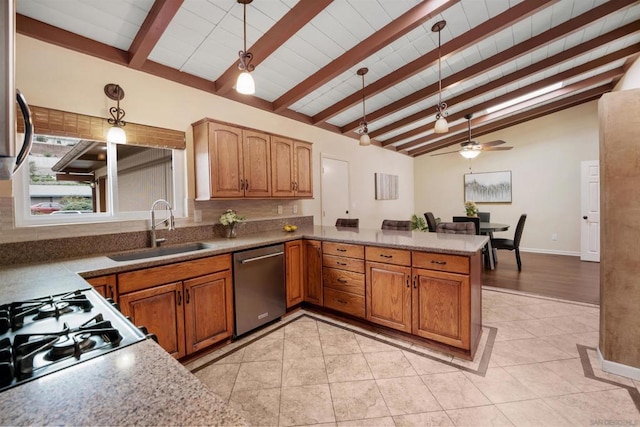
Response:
column 364, row 116
column 439, row 71
column 244, row 20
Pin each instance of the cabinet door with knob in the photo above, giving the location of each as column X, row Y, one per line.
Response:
column 105, row 286
column 313, row 271
column 256, row 153
column 389, row 295
column 294, row 260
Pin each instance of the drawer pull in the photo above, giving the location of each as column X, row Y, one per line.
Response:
column 341, row 301
column 433, row 261
column 386, row 256
column 341, row 250
column 342, row 281
column 341, row 263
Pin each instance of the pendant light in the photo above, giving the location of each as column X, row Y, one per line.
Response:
column 245, row 84
column 441, row 125
column 364, row 131
column 116, row 134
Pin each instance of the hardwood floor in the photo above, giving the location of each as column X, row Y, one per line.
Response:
column 556, row 276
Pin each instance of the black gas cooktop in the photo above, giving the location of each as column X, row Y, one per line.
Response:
column 45, row 335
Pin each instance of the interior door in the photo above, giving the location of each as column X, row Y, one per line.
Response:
column 335, row 190
column 590, row 201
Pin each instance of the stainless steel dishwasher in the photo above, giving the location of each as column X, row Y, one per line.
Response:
column 259, row 287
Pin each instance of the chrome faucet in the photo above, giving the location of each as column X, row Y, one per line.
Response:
column 169, row 222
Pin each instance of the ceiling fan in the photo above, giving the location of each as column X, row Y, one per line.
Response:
column 471, row 149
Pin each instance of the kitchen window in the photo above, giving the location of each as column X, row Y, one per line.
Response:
column 69, row 180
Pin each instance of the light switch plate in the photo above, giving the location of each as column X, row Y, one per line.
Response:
column 279, row 209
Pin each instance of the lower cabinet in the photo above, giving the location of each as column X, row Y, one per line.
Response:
column 389, row 295
column 105, row 286
column 294, row 260
column 187, row 305
column 313, row 271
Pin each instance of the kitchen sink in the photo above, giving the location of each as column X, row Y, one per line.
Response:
column 160, row 251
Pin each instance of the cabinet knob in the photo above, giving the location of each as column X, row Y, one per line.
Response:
column 179, row 298
column 188, row 296
column 585, row 217
column 246, row 184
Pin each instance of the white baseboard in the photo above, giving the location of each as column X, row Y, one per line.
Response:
column 549, row 251
column 618, row 368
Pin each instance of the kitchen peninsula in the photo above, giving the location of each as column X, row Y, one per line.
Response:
column 142, row 384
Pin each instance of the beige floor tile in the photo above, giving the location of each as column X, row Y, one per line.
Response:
column 372, row 422
column 571, row 371
column 538, row 327
column 339, row 344
column 425, row 365
column 327, row 329
column 297, row 372
column 499, row 386
column 407, row 395
column 532, row 413
column 263, row 349
column 567, row 342
column 389, row 364
column 531, row 350
column 504, row 314
column 357, row 400
column 301, row 327
column 426, row 419
column 309, row 404
column 258, row 407
column 554, row 309
column 220, row 378
column 232, row 356
column 431, row 352
column 347, row 367
column 478, row 416
column 256, row 375
column 510, row 331
column 541, row 380
column 453, row 390
column 572, row 324
column 369, row 345
column 302, row 346
column 608, row 407
column 501, row 299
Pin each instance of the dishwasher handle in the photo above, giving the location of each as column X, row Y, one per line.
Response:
column 258, row 258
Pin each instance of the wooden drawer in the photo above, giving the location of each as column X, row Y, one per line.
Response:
column 441, row 262
column 344, row 301
column 388, row 256
column 349, row 264
column 149, row 277
column 343, row 249
column 343, row 280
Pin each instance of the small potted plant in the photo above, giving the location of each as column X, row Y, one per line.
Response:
column 230, row 218
column 471, row 208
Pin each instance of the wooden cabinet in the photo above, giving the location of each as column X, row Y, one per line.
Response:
column 389, row 295
column 313, row 271
column 291, row 168
column 343, row 278
column 294, row 260
column 105, row 286
column 231, row 162
column 187, row 305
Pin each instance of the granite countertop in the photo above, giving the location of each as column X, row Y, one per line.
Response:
column 141, row 383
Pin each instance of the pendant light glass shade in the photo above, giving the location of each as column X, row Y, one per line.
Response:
column 365, row 140
column 117, row 135
column 245, row 84
column 441, row 126
column 469, row 153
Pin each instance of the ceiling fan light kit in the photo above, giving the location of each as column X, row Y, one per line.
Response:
column 364, row 130
column 245, row 84
column 441, row 125
column 471, row 149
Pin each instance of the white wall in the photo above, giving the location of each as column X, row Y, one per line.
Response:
column 57, row 78
column 545, row 165
column 631, row 79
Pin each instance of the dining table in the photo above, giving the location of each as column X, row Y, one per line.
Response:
column 488, row 228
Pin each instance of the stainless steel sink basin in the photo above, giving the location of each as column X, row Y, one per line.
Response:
column 160, row 251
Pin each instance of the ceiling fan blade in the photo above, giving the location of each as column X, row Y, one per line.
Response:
column 448, row 152
column 492, row 143
column 496, row 148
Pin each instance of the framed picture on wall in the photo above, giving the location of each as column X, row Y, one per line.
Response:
column 386, row 186
column 488, row 187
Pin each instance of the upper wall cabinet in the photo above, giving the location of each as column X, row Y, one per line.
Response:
column 231, row 162
column 291, row 168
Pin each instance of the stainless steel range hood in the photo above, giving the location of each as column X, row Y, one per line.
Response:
column 9, row 160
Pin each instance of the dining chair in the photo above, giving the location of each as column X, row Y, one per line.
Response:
column 431, row 221
column 392, row 224
column 348, row 222
column 484, row 216
column 512, row 245
column 456, row 228
column 473, row 219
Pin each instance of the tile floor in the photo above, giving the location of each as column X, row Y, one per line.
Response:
column 536, row 365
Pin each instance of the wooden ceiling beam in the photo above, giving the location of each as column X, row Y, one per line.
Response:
column 483, row 126
column 297, row 17
column 154, row 25
column 525, row 72
column 378, row 40
column 497, row 60
column 471, row 37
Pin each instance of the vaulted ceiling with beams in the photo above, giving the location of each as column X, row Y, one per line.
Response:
column 307, row 52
